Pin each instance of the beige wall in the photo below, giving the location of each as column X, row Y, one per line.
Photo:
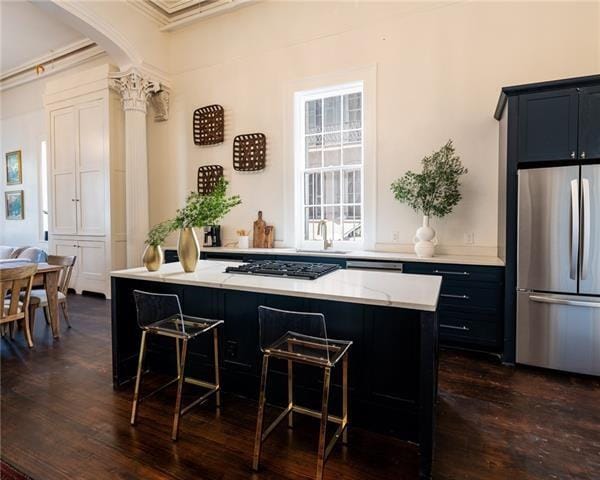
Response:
column 440, row 67
column 23, row 127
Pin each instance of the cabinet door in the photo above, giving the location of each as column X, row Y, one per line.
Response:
column 91, row 205
column 548, row 126
column 68, row 247
column 589, row 123
column 91, row 256
column 63, row 135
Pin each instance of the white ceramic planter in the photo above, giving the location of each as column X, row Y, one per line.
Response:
column 425, row 240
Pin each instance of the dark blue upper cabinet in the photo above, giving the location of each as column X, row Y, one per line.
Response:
column 589, row 123
column 548, row 126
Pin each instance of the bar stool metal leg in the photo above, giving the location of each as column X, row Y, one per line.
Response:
column 177, row 414
column 290, row 394
column 261, row 412
column 138, row 378
column 345, row 399
column 324, row 417
column 217, row 373
column 178, row 354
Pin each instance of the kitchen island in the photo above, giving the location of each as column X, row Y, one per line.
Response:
column 390, row 317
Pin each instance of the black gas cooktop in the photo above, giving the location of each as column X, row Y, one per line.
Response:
column 278, row 268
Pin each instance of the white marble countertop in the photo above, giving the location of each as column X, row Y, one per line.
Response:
column 393, row 289
column 365, row 255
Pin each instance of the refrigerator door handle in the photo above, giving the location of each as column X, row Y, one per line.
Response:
column 565, row 301
column 574, row 228
column 585, row 246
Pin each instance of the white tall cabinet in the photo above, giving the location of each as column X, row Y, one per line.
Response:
column 86, row 171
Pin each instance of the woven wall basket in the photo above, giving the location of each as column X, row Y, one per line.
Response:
column 208, row 177
column 209, row 125
column 249, row 152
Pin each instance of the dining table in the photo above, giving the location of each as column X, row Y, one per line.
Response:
column 46, row 277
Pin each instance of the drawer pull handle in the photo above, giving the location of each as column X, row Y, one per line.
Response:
column 454, row 327
column 449, row 295
column 448, row 272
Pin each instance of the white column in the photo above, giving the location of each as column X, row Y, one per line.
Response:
column 136, row 91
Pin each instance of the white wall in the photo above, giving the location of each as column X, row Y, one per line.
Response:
column 440, row 67
column 23, row 127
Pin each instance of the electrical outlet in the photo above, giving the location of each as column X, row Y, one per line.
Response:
column 469, row 238
column 396, row 237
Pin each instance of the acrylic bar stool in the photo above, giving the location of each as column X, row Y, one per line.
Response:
column 160, row 314
column 301, row 337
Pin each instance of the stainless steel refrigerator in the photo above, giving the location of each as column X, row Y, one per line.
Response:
column 558, row 272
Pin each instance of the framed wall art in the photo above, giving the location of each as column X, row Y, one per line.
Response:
column 15, row 208
column 14, row 168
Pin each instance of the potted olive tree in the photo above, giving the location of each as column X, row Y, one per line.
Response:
column 153, row 254
column 433, row 192
column 200, row 211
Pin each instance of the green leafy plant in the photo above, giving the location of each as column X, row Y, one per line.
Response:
column 436, row 190
column 158, row 233
column 205, row 210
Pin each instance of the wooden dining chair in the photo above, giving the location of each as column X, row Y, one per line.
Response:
column 39, row 297
column 15, row 291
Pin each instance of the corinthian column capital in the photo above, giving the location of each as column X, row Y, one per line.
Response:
column 135, row 89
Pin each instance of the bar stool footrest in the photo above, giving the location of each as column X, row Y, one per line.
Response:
column 342, row 424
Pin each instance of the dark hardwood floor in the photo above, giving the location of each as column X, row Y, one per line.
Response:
column 61, row 419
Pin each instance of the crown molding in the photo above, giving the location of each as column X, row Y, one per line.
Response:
column 175, row 6
column 173, row 15
column 57, row 61
column 150, row 11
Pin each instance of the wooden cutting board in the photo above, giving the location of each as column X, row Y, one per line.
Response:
column 263, row 235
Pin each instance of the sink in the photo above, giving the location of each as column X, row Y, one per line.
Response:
column 330, row 251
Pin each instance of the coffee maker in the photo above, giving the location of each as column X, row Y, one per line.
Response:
column 212, row 236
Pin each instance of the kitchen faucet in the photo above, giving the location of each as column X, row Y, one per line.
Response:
column 326, row 243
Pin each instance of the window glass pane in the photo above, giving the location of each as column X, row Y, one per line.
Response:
column 351, row 186
column 352, row 222
column 332, row 216
column 352, row 156
column 352, row 147
column 331, row 187
column 313, row 116
column 353, row 138
column 353, row 111
column 312, row 188
column 332, row 153
column 333, row 114
column 314, row 145
column 357, row 186
column 312, row 217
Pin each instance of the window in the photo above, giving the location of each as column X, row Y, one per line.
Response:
column 330, row 151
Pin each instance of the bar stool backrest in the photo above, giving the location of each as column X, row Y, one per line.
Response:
column 153, row 307
column 303, row 334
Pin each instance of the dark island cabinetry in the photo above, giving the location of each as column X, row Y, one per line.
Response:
column 393, row 360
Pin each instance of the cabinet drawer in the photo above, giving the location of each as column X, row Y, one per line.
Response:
column 457, row 273
column 462, row 295
column 469, row 328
